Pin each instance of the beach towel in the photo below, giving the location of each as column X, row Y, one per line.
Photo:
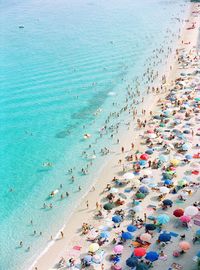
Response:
column 197, row 222
column 174, row 234
column 77, row 248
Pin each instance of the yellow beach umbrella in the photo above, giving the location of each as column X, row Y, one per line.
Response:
column 175, row 162
column 93, row 247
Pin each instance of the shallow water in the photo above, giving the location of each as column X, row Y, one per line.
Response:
column 68, row 61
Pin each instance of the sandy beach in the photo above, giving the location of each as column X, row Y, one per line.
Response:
column 132, row 141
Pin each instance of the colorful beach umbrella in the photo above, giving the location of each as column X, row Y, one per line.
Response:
column 127, row 236
column 140, row 195
column 142, row 266
column 178, row 212
column 184, row 245
column 118, row 249
column 131, row 228
column 167, row 202
column 144, row 157
column 109, row 206
column 93, row 247
column 164, row 190
column 191, row 211
column 139, row 252
column 150, row 227
column 185, row 219
column 145, row 237
column 144, row 189
column 117, row 219
column 163, row 219
column 104, row 235
column 132, row 262
column 164, row 237
column 152, row 256
column 128, row 176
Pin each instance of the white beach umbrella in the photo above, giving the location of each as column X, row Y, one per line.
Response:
column 164, row 190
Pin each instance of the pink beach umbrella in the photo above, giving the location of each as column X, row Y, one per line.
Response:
column 145, row 237
column 118, row 249
column 184, row 245
column 185, row 219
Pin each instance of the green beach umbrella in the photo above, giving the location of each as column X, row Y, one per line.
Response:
column 109, row 206
column 140, row 196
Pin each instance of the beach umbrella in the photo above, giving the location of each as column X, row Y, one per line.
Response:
column 164, row 237
column 117, row 219
column 188, row 157
column 128, row 176
column 185, row 219
column 139, row 252
column 164, row 190
column 144, row 189
column 152, row 256
column 178, row 212
column 175, row 162
column 163, row 158
column 142, row 162
column 140, row 195
column 127, row 236
column 184, row 245
column 150, row 227
column 168, row 182
column 132, row 262
column 147, row 172
column 118, row 249
column 93, row 247
column 198, row 232
column 131, row 228
column 109, row 206
column 191, row 211
column 142, row 266
column 145, row 237
column 163, row 219
column 149, row 151
column 104, row 235
column 182, row 182
column 185, row 147
column 114, row 190
column 137, row 208
column 88, row 259
column 167, row 202
column 144, row 157
column 116, row 259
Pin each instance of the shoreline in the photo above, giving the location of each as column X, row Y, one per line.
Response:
column 57, row 247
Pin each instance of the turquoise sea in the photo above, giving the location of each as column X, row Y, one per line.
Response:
column 60, row 62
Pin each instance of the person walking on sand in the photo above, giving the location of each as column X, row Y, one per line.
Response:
column 87, row 204
column 62, row 234
column 122, row 149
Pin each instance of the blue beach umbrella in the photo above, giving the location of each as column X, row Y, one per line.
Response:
column 144, row 189
column 131, row 228
column 185, row 147
column 163, row 158
column 198, row 232
column 88, row 259
column 164, row 237
column 127, row 236
column 188, row 157
column 150, row 227
column 142, row 266
column 116, row 259
column 132, row 262
column 168, row 182
column 163, row 219
column 198, row 254
column 104, row 235
column 142, row 162
column 116, row 219
column 149, row 151
column 167, row 202
column 152, row 256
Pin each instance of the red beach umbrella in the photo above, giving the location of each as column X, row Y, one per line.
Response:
column 178, row 212
column 185, row 219
column 139, row 252
column 195, row 172
column 144, row 156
